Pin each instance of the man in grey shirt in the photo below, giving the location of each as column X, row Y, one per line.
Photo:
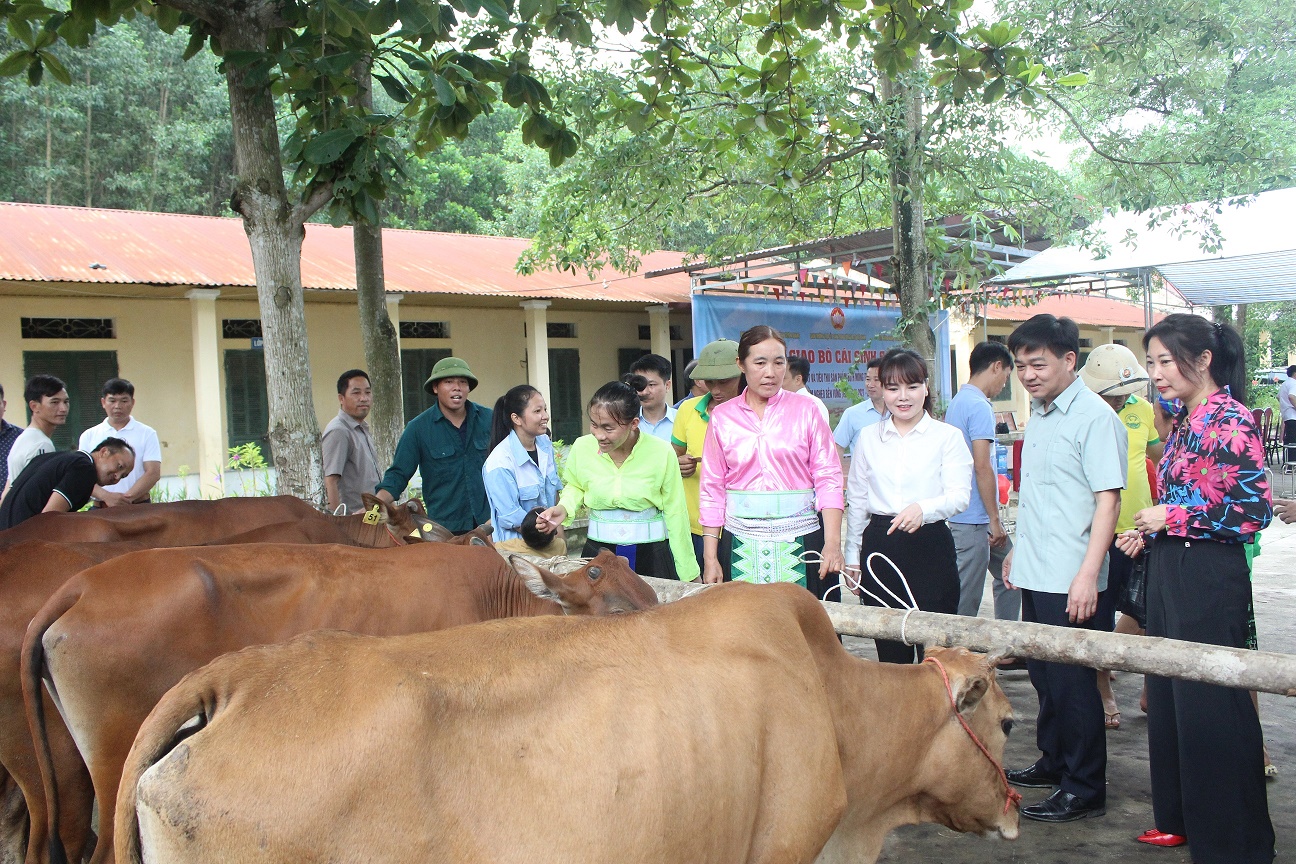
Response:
column 350, row 461
column 1073, row 468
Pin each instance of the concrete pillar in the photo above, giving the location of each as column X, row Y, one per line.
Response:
column 393, row 312
column 659, row 330
column 1109, row 335
column 205, row 334
column 537, row 345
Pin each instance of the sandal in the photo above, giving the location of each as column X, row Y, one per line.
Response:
column 1112, row 720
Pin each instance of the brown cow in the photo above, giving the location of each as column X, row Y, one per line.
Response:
column 110, row 647
column 178, row 523
column 727, row 727
column 30, row 572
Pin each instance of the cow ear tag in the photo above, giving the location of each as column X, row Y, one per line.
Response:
column 372, row 516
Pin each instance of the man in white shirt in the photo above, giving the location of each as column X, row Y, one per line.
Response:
column 795, row 378
column 1287, row 410
column 656, row 414
column 118, row 402
column 47, row 399
column 853, row 419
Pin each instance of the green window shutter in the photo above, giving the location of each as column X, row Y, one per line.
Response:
column 566, row 411
column 84, row 373
column 626, row 356
column 247, row 404
column 416, row 366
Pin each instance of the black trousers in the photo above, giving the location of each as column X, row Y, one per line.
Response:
column 651, row 559
column 1069, row 733
column 1119, row 568
column 1204, row 742
column 930, row 564
column 818, row 585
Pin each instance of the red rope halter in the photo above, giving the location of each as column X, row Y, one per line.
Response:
column 1012, row 796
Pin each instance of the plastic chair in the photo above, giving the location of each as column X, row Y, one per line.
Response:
column 1266, row 433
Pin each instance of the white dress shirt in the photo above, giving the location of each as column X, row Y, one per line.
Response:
column 930, row 466
column 823, row 409
column 142, row 439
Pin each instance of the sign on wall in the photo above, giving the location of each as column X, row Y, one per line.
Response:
column 831, row 336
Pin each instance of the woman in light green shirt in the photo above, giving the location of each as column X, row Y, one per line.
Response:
column 631, row 484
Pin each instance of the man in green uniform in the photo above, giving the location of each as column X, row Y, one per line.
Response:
column 447, row 445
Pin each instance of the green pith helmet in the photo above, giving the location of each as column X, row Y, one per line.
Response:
column 717, row 362
column 450, row 367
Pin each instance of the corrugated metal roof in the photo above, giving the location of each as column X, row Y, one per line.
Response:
column 1253, row 256
column 1094, row 311
column 40, row 243
column 1244, row 279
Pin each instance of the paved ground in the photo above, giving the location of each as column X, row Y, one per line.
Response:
column 1129, row 804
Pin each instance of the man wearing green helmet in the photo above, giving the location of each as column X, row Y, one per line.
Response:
column 447, row 444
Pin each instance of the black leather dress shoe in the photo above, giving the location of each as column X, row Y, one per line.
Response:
column 1062, row 807
column 1032, row 778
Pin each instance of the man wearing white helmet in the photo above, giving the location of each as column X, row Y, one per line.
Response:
column 1114, row 373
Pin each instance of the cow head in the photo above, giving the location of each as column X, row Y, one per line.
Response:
column 407, row 522
column 602, row 585
column 974, row 797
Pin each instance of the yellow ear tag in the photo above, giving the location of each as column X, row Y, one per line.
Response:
column 372, row 516
column 427, row 529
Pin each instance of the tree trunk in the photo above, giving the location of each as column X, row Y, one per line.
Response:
column 275, row 232
column 911, row 261
column 89, row 176
column 49, row 150
column 381, row 348
column 1222, row 314
column 1171, row 658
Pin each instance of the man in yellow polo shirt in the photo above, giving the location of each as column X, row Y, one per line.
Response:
column 717, row 368
column 1114, row 373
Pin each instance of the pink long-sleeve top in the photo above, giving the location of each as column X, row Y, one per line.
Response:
column 790, row 448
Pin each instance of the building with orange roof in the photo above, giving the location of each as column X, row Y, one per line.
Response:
column 169, row 302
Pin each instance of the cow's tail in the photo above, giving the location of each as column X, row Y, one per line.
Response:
column 33, row 669
column 184, row 710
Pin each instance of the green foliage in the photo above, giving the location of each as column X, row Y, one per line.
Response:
column 1185, row 100
column 137, row 128
column 439, row 70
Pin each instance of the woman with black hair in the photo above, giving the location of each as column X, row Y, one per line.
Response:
column 631, row 484
column 908, row 474
column 520, row 473
column 1204, row 741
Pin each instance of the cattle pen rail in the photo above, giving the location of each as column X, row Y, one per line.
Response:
column 1169, row 658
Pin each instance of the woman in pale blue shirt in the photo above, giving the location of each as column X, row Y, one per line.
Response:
column 520, row 473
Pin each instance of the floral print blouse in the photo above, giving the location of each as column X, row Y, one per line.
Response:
column 1213, row 474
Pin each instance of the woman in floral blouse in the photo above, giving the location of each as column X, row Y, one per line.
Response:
column 1204, row 741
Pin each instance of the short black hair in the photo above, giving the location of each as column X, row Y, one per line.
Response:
column 986, row 353
column 345, row 378
column 533, row 536
column 875, row 363
column 1, row 391
column 118, row 387
column 40, row 386
column 1291, row 373
column 653, row 363
column 1058, row 336
column 114, row 445
column 798, row 367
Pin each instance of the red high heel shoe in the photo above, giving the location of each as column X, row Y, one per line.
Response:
column 1153, row 837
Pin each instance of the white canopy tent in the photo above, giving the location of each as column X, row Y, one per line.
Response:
column 1242, row 250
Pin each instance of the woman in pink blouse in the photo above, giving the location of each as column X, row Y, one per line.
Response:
column 768, row 464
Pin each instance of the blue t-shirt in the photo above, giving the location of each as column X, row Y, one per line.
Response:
column 971, row 413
